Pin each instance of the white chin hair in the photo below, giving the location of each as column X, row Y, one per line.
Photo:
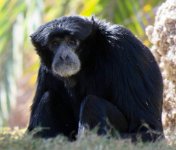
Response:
column 66, row 71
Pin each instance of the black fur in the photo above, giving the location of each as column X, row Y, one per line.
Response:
column 115, row 67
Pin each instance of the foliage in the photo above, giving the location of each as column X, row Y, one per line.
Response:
column 16, row 23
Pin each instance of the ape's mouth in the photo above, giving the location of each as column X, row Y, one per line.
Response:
column 66, row 70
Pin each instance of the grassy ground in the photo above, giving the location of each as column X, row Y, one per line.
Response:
column 17, row 140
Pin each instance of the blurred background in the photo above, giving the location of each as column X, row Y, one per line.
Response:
column 18, row 60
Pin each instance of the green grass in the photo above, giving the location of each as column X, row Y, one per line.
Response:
column 18, row 140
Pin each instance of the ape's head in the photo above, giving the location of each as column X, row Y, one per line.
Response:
column 59, row 44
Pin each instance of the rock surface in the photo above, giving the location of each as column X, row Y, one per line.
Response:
column 162, row 35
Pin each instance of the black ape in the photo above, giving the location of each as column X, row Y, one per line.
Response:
column 92, row 74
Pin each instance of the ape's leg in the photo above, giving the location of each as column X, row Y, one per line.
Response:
column 98, row 112
column 53, row 121
column 42, row 117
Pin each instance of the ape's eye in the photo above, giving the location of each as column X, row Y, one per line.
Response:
column 73, row 42
column 55, row 43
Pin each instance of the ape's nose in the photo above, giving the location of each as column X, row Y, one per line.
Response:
column 64, row 57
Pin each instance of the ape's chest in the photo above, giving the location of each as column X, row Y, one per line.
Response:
column 78, row 88
column 79, row 93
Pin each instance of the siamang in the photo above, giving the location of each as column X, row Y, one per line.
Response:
column 95, row 74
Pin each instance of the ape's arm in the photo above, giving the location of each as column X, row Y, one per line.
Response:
column 41, row 89
column 48, row 109
column 41, row 115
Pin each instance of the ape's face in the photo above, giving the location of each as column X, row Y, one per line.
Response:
column 58, row 43
column 66, row 62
